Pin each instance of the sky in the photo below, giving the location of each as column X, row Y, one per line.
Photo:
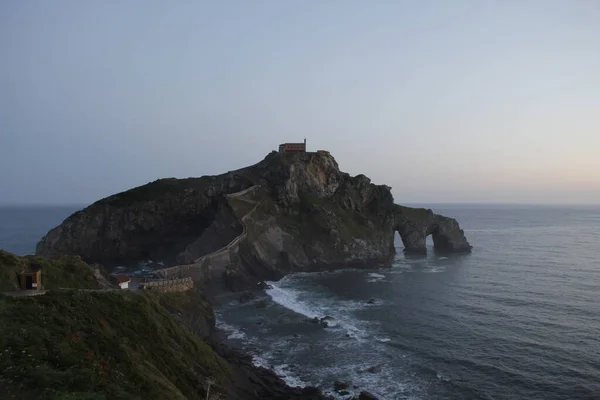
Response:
column 445, row 101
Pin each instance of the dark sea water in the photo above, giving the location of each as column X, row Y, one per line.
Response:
column 519, row 318
column 21, row 228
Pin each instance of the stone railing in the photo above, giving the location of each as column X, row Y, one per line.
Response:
column 168, row 285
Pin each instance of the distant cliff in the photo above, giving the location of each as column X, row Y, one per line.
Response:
column 289, row 212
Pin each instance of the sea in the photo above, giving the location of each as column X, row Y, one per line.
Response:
column 518, row 318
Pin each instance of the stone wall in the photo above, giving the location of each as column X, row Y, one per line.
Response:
column 168, row 285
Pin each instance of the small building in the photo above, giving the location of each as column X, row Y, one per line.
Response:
column 31, row 279
column 322, row 152
column 293, row 147
column 122, row 281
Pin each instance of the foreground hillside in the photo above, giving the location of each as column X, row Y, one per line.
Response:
column 81, row 343
column 98, row 345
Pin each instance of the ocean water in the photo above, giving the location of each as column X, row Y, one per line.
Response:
column 519, row 318
column 22, row 227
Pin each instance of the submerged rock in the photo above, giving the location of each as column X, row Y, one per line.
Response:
column 262, row 285
column 374, row 369
column 340, row 385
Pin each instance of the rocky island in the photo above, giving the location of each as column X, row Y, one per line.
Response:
column 290, row 212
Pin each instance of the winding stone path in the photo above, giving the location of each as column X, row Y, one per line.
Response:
column 166, row 271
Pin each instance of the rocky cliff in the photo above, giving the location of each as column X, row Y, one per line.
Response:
column 289, row 212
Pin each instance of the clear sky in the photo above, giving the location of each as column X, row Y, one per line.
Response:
column 445, row 101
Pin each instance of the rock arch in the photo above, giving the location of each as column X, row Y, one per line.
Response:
column 445, row 232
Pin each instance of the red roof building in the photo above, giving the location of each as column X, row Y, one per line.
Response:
column 293, row 147
column 122, row 281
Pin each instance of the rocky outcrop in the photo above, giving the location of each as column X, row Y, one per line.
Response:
column 289, row 212
column 165, row 220
column 414, row 229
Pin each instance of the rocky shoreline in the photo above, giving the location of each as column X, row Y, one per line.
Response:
column 266, row 384
column 244, row 356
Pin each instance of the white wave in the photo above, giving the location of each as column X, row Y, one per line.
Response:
column 288, row 298
column 283, row 371
column 260, row 361
column 238, row 335
column 385, row 384
column 442, row 378
column 231, row 331
column 289, row 378
column 383, row 340
column 434, row 270
column 375, row 277
column 291, row 299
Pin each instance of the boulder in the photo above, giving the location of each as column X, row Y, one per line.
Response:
column 262, row 285
column 375, row 369
column 364, row 395
column 340, row 385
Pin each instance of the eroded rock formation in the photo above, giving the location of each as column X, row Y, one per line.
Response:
column 289, row 212
column 445, row 232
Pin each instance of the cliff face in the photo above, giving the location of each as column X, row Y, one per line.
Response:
column 290, row 212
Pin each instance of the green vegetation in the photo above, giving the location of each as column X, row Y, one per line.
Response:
column 153, row 190
column 191, row 308
column 101, row 345
column 419, row 214
column 66, row 271
column 320, row 215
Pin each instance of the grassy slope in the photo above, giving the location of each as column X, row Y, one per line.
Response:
column 100, row 345
column 153, row 190
column 412, row 213
column 67, row 271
